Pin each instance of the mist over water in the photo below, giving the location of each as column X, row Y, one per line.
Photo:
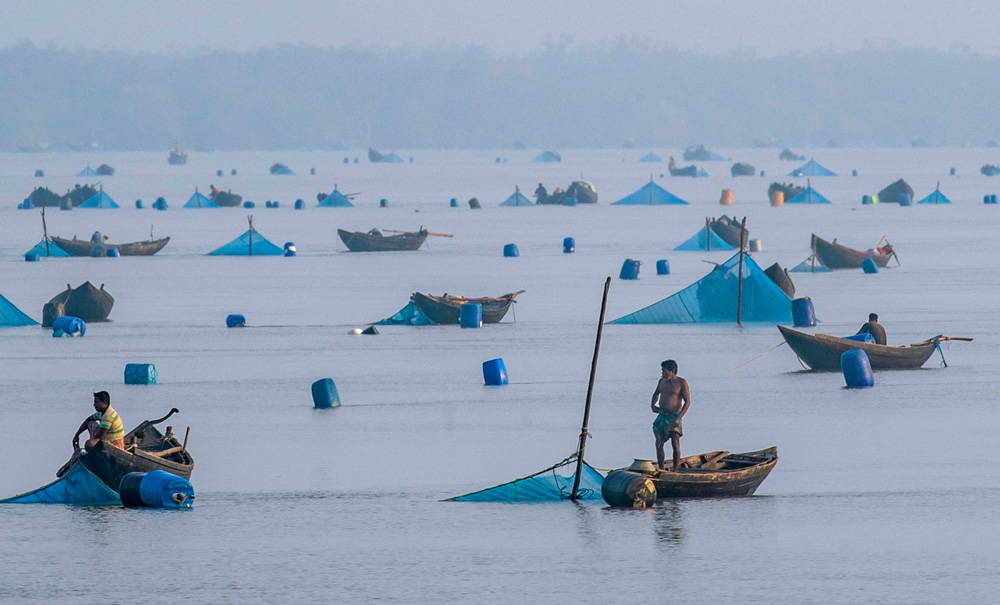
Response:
column 880, row 495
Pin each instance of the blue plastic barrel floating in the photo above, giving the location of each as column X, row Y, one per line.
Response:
column 160, row 203
column 510, row 250
column 355, row 160
column 993, row 198
column 761, row 173
column 803, row 312
column 494, row 372
column 383, row 203
column 663, row 267
column 31, row 257
column 218, row 172
column 453, row 203
column 347, row 160
column 312, row 171
column 156, row 489
column 905, row 199
column 863, row 337
column 39, row 173
column 571, row 201
column 854, row 173
column 113, row 253
column 628, row 489
column 233, row 172
column 868, row 265
column 290, row 249
column 325, row 395
column 138, row 204
column 67, row 325
column 857, row 369
column 140, row 373
column 474, row 203
column 300, row 204
column 569, row 245
column 630, row 269
column 96, row 251
column 866, row 199
column 986, row 199
column 248, row 204
column 470, row 315
column 235, row 320
column 952, row 171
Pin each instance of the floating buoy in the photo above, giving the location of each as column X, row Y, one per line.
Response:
column 474, row 203
column 248, row 204
column 569, row 245
column 662, row 267
column 857, row 369
column 630, row 269
column 156, row 489
column 453, row 203
column 762, row 173
column 756, row 245
column 727, row 197
column 355, row 160
column 854, row 173
column 494, row 372
column 113, row 253
column 140, row 373
column 777, row 198
column 69, row 325
column 138, row 204
column 218, row 172
column 160, row 204
column 290, row 249
column 868, row 265
column 233, row 172
column 471, row 315
column 235, row 320
column 627, row 489
column 325, row 395
column 383, row 203
column 312, row 171
column 39, row 173
column 300, row 204
column 347, row 160
column 868, row 199
column 511, row 251
column 96, row 251
column 31, row 257
column 803, row 312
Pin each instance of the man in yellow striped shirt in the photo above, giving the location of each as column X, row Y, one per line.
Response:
column 104, row 425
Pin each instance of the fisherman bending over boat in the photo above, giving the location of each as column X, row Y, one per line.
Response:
column 104, row 425
column 674, row 398
column 873, row 327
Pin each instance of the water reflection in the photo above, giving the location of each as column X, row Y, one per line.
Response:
column 668, row 522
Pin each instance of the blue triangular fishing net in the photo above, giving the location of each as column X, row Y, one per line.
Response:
column 808, row 196
column 810, row 265
column 78, row 486
column 410, row 315
column 336, row 200
column 88, row 171
column 812, row 168
column 517, row 199
column 52, row 250
column 705, row 239
column 547, row 485
column 250, row 243
column 11, row 316
column 198, row 200
column 99, row 200
column 649, row 194
column 936, row 197
column 650, row 157
column 714, row 297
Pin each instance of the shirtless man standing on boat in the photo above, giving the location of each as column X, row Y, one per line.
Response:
column 671, row 401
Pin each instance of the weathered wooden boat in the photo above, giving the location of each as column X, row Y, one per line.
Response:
column 698, row 153
column 43, row 197
column 711, row 475
column 224, row 198
column 447, row 309
column 839, row 256
column 788, row 190
column 582, row 191
column 892, row 192
column 77, row 195
column 788, row 154
column 990, row 170
column 822, row 351
column 374, row 241
column 177, row 157
column 86, row 302
column 105, row 170
column 81, row 247
column 742, row 169
column 146, row 449
column 691, row 170
column 781, row 278
column 728, row 229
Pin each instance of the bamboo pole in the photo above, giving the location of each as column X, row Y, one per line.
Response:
column 45, row 232
column 590, row 392
column 739, row 296
column 184, row 446
column 708, row 235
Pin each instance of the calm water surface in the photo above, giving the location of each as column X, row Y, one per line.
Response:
column 881, row 495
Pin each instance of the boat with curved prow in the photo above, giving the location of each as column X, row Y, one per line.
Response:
column 718, row 474
column 729, row 230
column 85, row 301
column 146, row 449
column 839, row 256
column 81, row 247
column 374, row 241
column 779, row 275
column 447, row 309
column 822, row 351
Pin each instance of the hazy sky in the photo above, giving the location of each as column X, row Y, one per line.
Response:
column 508, row 27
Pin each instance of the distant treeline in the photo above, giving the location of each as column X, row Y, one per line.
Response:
column 293, row 97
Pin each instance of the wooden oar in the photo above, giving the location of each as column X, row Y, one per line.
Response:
column 940, row 338
column 428, row 232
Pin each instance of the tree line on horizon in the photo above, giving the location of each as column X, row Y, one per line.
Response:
column 294, row 97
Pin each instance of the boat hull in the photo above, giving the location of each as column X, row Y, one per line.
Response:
column 839, row 256
column 79, row 247
column 822, row 351
column 448, row 310
column 357, row 241
column 715, row 475
column 86, row 302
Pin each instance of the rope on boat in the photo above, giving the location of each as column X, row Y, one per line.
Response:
column 755, row 358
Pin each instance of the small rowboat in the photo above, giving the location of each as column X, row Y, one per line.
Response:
column 86, row 302
column 81, row 247
column 729, row 230
column 839, row 256
column 822, row 351
column 146, row 449
column 781, row 278
column 447, row 309
column 357, row 241
column 711, row 475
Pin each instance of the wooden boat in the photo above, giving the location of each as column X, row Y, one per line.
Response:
column 728, row 229
column 781, row 277
column 77, row 195
column 225, row 198
column 146, row 449
column 43, row 197
column 742, row 169
column 81, row 247
column 892, row 192
column 822, row 351
column 691, row 170
column 447, row 309
column 712, row 475
column 839, row 256
column 374, row 241
column 86, row 302
column 177, row 157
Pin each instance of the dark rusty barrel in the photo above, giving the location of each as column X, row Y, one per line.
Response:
column 628, row 489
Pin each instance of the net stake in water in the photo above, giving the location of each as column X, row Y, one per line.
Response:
column 590, row 393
